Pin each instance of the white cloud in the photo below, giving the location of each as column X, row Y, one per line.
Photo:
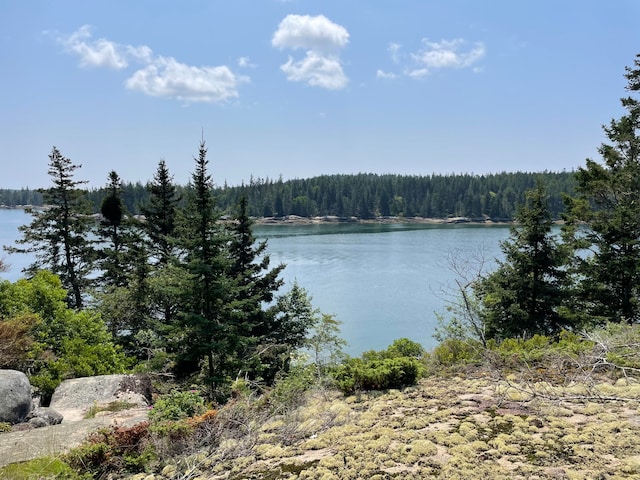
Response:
column 166, row 77
column 394, row 50
column 323, row 41
column 317, row 71
column 314, row 33
column 160, row 76
column 385, row 75
column 93, row 53
column 245, row 62
column 446, row 54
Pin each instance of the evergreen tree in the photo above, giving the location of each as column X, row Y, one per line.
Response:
column 525, row 295
column 204, row 332
column 116, row 235
column 160, row 215
column 59, row 234
column 603, row 219
column 255, row 285
column 159, row 226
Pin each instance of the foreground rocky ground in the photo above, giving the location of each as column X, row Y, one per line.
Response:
column 463, row 426
column 449, row 428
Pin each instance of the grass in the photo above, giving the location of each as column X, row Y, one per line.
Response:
column 116, row 406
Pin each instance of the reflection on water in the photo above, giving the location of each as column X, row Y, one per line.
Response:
column 381, row 281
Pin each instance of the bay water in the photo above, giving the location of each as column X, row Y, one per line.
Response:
column 382, row 281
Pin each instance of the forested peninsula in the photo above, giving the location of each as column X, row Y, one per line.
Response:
column 362, row 196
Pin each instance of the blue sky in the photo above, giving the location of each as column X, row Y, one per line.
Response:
column 307, row 87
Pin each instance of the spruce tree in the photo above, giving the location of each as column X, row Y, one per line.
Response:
column 254, row 287
column 59, row 233
column 116, row 234
column 603, row 218
column 160, row 215
column 204, row 332
column 525, row 295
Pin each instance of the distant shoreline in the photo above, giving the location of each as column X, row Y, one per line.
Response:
column 331, row 219
column 297, row 220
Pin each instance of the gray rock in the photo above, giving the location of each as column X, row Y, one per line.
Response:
column 74, row 397
column 15, row 395
column 44, row 416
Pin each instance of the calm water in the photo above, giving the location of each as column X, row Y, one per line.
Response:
column 381, row 281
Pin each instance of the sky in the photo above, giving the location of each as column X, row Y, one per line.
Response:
column 300, row 88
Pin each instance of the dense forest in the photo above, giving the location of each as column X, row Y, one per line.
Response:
column 495, row 196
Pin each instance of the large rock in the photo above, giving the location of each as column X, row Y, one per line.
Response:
column 15, row 396
column 73, row 398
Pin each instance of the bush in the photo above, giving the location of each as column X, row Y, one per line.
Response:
column 395, row 367
column 176, row 406
column 454, row 351
column 359, row 374
column 113, row 450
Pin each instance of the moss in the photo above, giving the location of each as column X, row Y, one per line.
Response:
column 42, row 469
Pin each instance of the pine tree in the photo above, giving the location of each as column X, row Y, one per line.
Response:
column 160, row 215
column 603, row 219
column 204, row 331
column 116, row 234
column 255, row 285
column 525, row 295
column 59, row 233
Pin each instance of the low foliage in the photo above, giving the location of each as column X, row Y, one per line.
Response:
column 116, row 406
column 112, row 450
column 44, row 468
column 177, row 405
column 396, row 367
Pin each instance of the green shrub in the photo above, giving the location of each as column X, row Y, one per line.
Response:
column 358, row 374
column 454, row 351
column 397, row 366
column 177, row 405
column 403, row 347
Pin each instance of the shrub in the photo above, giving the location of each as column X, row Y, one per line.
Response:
column 454, row 351
column 176, row 406
column 395, row 367
column 113, row 450
column 358, row 374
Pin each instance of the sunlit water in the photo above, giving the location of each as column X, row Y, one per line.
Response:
column 382, row 282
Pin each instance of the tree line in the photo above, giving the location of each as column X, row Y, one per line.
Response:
column 364, row 196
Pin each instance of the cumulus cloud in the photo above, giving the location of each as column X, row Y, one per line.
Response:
column 159, row 76
column 322, row 40
column 94, row 53
column 166, row 77
column 432, row 56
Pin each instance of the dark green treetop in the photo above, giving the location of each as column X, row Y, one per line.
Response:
column 603, row 218
column 526, row 294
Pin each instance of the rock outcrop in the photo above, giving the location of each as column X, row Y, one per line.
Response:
column 73, row 398
column 15, row 396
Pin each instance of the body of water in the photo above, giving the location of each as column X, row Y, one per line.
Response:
column 382, row 282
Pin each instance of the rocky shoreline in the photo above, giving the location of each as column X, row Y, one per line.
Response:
column 330, row 219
